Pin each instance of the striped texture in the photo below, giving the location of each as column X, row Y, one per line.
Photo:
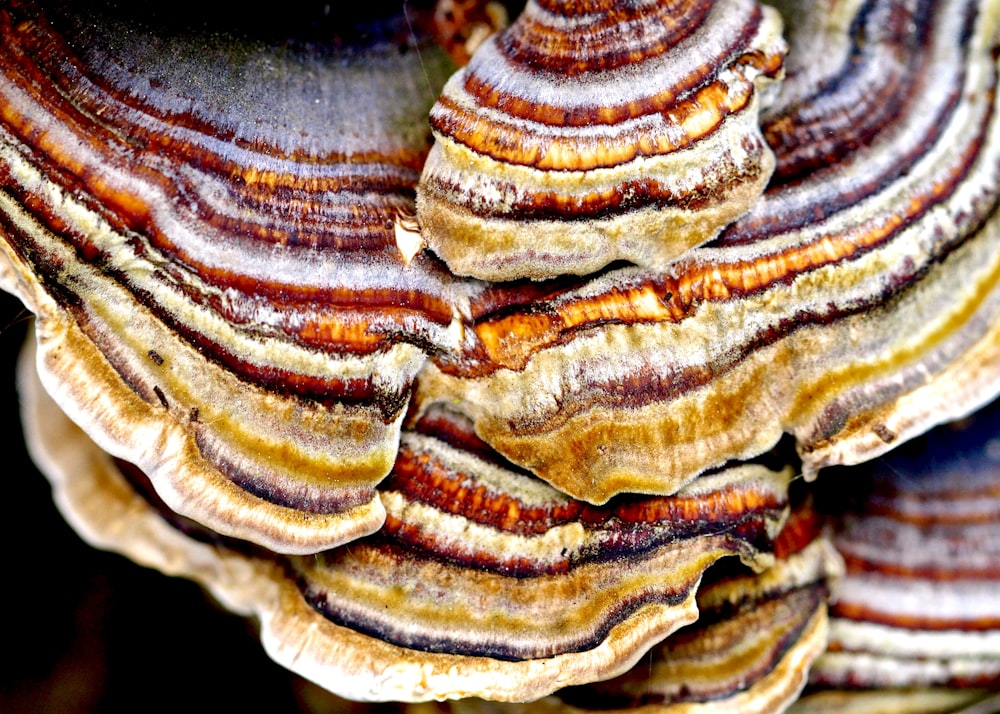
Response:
column 852, row 325
column 225, row 297
column 212, row 311
column 594, row 132
column 750, row 650
column 231, row 296
column 919, row 605
column 454, row 596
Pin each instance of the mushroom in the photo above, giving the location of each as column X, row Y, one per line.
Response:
column 307, row 407
column 918, row 608
column 483, row 581
column 550, row 126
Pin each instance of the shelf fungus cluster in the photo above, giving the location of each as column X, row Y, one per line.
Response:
column 487, row 386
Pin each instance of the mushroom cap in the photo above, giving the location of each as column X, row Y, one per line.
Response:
column 587, row 133
column 454, row 597
column 750, row 650
column 920, row 535
column 227, row 288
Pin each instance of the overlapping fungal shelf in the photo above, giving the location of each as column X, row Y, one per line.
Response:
column 230, row 294
column 853, row 306
column 918, row 604
column 749, row 650
column 479, row 395
column 454, row 597
column 583, row 136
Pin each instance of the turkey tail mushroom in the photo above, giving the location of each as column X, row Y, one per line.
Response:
column 593, row 132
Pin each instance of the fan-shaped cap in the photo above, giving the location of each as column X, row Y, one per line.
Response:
column 593, row 132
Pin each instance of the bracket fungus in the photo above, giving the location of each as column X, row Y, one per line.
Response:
column 473, row 387
column 593, row 132
column 918, row 608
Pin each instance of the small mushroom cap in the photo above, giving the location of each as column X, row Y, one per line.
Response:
column 593, row 132
column 750, row 650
